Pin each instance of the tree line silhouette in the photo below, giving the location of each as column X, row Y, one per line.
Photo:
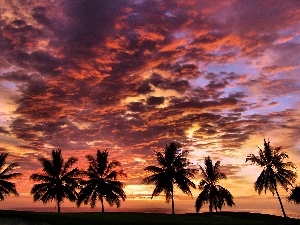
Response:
column 59, row 180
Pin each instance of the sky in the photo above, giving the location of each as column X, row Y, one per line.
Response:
column 131, row 76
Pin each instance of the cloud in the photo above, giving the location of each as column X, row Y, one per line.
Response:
column 132, row 76
column 276, row 69
column 3, row 131
column 155, row 100
column 249, row 16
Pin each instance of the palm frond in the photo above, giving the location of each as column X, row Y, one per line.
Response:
column 202, row 184
column 3, row 157
column 225, row 197
column 93, row 198
column 285, row 177
column 161, row 159
column 170, row 152
column 70, row 193
column 47, row 166
column 10, row 176
column 151, row 179
column 255, row 160
column 102, row 161
column 154, row 169
column 86, row 192
column 9, row 168
column 57, row 162
column 184, row 184
column 212, row 193
column 114, row 193
column 112, row 165
column 41, row 177
column 7, row 187
column 71, row 174
column 40, row 191
column 295, row 195
column 68, row 165
column 202, row 198
column 264, row 182
column 203, row 172
column 112, row 175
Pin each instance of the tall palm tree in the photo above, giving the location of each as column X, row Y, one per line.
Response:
column 7, row 187
column 295, row 195
column 102, row 183
column 58, row 180
column 172, row 170
column 274, row 172
column 212, row 193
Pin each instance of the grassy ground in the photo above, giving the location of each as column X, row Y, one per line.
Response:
column 118, row 218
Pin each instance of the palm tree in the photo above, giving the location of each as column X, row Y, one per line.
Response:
column 295, row 195
column 212, row 193
column 274, row 172
column 172, row 170
column 102, row 183
column 58, row 181
column 7, row 187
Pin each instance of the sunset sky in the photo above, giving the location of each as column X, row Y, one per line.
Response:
column 131, row 76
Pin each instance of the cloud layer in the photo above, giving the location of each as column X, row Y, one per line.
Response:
column 131, row 76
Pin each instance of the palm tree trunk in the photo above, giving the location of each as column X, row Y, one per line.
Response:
column 280, row 202
column 173, row 208
column 102, row 204
column 58, row 206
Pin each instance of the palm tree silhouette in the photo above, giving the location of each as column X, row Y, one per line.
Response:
column 102, row 181
column 212, row 193
column 58, row 181
column 7, row 187
column 295, row 195
column 172, row 170
column 275, row 171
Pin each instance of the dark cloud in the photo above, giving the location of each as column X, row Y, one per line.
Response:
column 178, row 85
column 3, row 131
column 144, row 88
column 217, row 85
column 249, row 16
column 40, row 61
column 155, row 100
column 136, row 107
column 90, row 24
column 39, row 14
column 18, row 35
column 189, row 71
column 3, row 149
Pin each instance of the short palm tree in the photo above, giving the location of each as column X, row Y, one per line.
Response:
column 295, row 195
column 7, row 187
column 212, row 193
column 275, row 172
column 102, row 183
column 172, row 170
column 58, row 180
